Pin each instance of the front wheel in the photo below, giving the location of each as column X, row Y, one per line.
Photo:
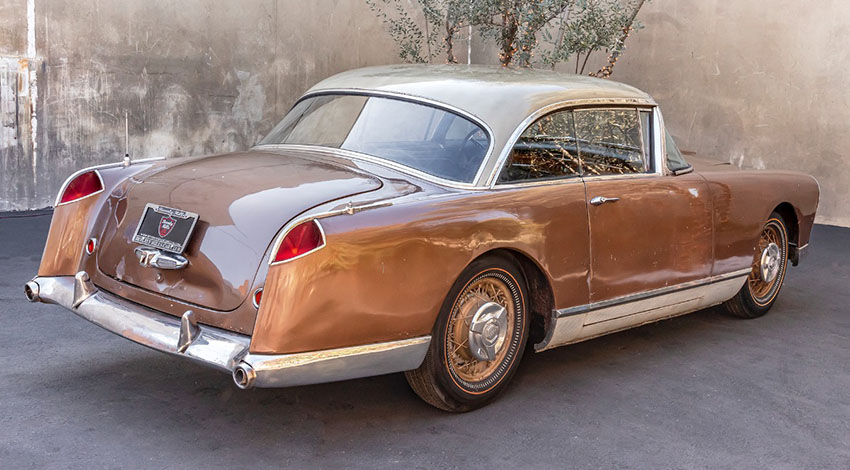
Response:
column 769, row 266
column 478, row 339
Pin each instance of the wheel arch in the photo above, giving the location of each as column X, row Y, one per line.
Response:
column 541, row 295
column 792, row 224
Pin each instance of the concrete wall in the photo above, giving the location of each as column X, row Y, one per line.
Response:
column 760, row 84
column 195, row 76
column 764, row 84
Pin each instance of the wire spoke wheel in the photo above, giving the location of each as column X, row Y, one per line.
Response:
column 768, row 263
column 479, row 337
column 462, row 337
column 765, row 279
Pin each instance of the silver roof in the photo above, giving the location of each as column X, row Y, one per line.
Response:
column 492, row 93
column 500, row 97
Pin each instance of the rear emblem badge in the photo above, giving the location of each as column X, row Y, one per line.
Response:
column 165, row 225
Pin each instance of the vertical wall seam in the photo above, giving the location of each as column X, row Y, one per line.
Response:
column 32, row 77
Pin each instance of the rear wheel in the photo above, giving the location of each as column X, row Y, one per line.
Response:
column 478, row 339
column 765, row 280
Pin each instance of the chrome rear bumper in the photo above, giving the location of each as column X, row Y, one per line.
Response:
column 223, row 350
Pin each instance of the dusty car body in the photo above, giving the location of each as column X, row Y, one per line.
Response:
column 601, row 246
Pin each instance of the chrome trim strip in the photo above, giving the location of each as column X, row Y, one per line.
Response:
column 561, row 105
column 337, row 152
column 578, row 326
column 580, row 309
column 414, row 99
column 331, row 365
column 658, row 131
column 347, row 209
column 225, row 350
column 95, row 167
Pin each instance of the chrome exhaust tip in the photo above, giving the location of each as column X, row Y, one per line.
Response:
column 31, row 290
column 244, row 375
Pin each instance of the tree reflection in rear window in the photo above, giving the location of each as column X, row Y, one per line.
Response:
column 419, row 136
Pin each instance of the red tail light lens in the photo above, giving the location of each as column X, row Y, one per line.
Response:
column 301, row 240
column 258, row 297
column 85, row 184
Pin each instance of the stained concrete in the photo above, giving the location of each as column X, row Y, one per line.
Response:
column 195, row 77
column 700, row 391
column 759, row 84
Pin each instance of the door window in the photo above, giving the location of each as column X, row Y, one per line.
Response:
column 609, row 141
column 545, row 150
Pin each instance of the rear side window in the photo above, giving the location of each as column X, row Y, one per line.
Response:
column 546, row 150
column 609, row 141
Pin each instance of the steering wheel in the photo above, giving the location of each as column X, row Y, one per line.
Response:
column 469, row 138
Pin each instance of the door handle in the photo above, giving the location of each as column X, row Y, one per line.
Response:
column 599, row 200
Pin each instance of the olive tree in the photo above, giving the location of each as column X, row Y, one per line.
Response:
column 569, row 29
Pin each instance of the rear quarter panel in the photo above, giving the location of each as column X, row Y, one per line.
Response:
column 385, row 273
column 742, row 203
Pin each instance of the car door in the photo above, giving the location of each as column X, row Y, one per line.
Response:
column 541, row 177
column 650, row 231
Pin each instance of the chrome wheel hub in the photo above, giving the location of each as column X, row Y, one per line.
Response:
column 770, row 262
column 487, row 331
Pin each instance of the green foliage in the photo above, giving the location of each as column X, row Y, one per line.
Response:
column 588, row 26
column 571, row 29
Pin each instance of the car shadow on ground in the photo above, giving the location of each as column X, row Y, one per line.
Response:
column 135, row 386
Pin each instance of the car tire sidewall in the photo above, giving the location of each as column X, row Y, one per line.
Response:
column 503, row 265
column 747, row 296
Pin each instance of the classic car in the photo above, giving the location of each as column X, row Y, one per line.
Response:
column 431, row 220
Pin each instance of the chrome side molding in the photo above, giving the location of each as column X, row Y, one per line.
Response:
column 574, row 324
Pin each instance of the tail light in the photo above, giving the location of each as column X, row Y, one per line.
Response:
column 82, row 185
column 257, row 297
column 304, row 238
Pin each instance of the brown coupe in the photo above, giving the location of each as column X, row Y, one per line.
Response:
column 426, row 219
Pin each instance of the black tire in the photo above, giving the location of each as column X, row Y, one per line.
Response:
column 757, row 297
column 440, row 380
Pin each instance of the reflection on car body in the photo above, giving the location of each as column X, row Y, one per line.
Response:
column 427, row 219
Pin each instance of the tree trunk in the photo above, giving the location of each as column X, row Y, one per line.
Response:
column 449, row 40
column 509, row 32
column 606, row 71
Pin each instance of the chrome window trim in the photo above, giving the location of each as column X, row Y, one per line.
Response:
column 336, row 152
column 533, row 183
column 662, row 135
column 551, row 108
column 398, row 166
column 655, row 171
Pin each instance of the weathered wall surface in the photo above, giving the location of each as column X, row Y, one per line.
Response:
column 761, row 84
column 195, row 77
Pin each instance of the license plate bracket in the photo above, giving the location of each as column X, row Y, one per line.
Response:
column 165, row 228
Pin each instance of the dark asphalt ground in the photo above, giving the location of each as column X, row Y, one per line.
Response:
column 700, row 391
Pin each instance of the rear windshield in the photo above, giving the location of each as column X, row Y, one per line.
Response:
column 426, row 138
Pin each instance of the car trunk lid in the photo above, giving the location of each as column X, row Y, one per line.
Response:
column 242, row 200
